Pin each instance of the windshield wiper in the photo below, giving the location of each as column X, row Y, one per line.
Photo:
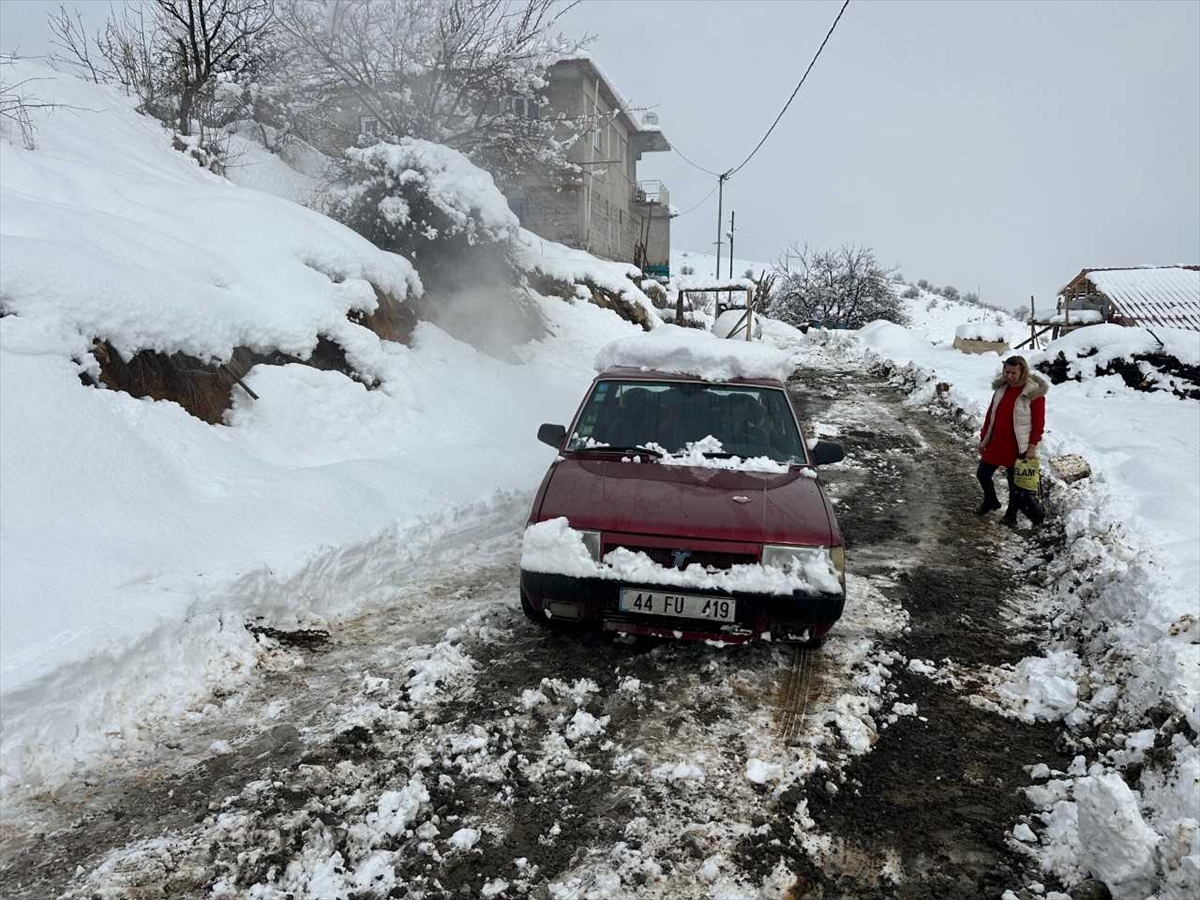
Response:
column 616, row 448
column 718, row 454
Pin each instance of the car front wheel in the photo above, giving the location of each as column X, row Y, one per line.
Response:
column 534, row 615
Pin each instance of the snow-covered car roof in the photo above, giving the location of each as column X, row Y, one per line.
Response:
column 675, row 350
column 631, row 373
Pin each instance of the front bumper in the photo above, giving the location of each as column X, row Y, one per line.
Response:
column 595, row 602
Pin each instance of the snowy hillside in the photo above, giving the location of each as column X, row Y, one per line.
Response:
column 928, row 312
column 938, row 317
column 133, row 533
column 704, row 264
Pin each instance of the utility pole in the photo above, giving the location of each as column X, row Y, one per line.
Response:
column 732, row 214
column 720, row 215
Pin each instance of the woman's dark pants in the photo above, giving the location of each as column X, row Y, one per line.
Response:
column 1025, row 501
column 985, row 474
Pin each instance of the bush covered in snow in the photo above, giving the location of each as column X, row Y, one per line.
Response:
column 412, row 190
column 429, row 203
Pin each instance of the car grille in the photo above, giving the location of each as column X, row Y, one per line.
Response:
column 665, row 556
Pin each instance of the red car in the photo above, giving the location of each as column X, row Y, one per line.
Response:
column 685, row 508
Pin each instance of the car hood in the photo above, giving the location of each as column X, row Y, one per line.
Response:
column 683, row 501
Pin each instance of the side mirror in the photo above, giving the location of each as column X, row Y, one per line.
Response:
column 825, row 452
column 552, row 434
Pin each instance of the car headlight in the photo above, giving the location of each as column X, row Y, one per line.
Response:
column 591, row 540
column 781, row 556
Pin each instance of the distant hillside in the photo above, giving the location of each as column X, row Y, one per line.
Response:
column 938, row 316
column 705, row 264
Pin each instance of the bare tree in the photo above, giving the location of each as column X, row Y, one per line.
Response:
column 17, row 103
column 207, row 38
column 134, row 54
column 464, row 73
column 75, row 49
column 846, row 286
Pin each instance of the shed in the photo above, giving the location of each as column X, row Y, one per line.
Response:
column 1167, row 296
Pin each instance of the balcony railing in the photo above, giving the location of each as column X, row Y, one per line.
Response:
column 652, row 192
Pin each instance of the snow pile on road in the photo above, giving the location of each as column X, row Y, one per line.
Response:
column 1124, row 672
column 553, row 547
column 137, row 538
column 689, row 351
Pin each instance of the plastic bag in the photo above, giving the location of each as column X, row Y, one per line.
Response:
column 1026, row 474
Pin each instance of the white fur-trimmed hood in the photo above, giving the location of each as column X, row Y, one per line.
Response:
column 1036, row 385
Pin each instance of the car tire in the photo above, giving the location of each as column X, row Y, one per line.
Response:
column 532, row 614
column 810, row 644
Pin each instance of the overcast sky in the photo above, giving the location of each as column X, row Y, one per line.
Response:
column 998, row 146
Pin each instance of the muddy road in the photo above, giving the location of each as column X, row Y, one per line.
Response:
column 445, row 747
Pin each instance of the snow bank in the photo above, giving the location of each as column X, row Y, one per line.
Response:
column 689, row 351
column 553, row 547
column 137, row 539
column 562, row 263
column 1116, row 844
column 110, row 233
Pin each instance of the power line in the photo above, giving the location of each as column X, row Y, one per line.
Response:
column 754, row 237
column 737, row 168
column 694, row 165
column 698, row 205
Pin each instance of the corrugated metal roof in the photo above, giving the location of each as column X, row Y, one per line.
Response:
column 1153, row 295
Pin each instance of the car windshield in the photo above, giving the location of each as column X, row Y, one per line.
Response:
column 749, row 421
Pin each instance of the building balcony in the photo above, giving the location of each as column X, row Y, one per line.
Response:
column 652, row 192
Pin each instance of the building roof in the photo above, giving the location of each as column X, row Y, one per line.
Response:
column 1149, row 295
column 651, row 136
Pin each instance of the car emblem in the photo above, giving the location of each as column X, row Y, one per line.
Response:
column 681, row 557
column 740, row 499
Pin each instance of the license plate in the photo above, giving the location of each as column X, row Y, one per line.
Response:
column 686, row 606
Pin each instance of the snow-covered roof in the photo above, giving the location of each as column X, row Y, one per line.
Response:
column 652, row 134
column 701, row 354
column 1151, row 295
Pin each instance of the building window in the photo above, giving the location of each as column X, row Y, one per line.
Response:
column 622, row 150
column 522, row 107
column 368, row 125
column 598, row 133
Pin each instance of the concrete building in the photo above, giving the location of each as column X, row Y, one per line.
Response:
column 611, row 213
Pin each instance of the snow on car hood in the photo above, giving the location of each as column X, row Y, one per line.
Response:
column 703, row 503
column 694, row 455
column 554, row 547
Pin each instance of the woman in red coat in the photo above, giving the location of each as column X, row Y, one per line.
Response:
column 1012, row 428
